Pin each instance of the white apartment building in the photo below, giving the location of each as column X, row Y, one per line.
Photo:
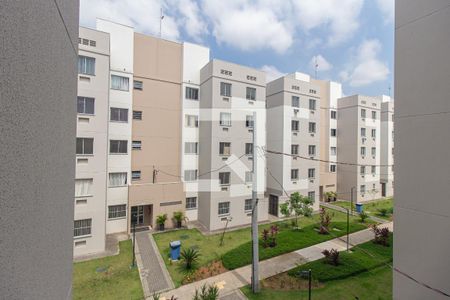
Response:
column 229, row 96
column 91, row 145
column 387, row 147
column 119, row 125
column 359, row 148
column 194, row 58
column 293, row 127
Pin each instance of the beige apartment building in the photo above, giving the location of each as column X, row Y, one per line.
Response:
column 387, row 147
column 358, row 145
column 293, row 128
column 156, row 187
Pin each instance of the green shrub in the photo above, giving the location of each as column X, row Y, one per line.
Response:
column 190, row 256
column 363, row 216
column 383, row 212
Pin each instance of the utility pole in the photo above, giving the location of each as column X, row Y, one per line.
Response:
column 255, row 241
column 351, row 200
column 348, row 229
column 161, row 17
column 133, row 262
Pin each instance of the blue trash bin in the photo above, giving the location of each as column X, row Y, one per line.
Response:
column 175, row 247
column 359, row 208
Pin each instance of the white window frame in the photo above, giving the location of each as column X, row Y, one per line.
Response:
column 118, row 211
column 82, row 227
column 225, row 119
column 191, row 121
column 222, row 147
column 294, row 174
column 120, row 180
column 225, row 89
column 312, row 150
column 191, row 148
column 250, row 93
column 247, row 207
column 120, row 146
column 123, row 83
column 86, row 65
column 223, row 176
column 189, row 201
column 82, row 141
column 122, row 114
column 190, row 175
column 191, row 93
column 81, row 101
column 311, row 173
column 295, row 101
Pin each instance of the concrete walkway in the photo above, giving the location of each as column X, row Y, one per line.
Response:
column 111, row 247
column 152, row 270
column 231, row 281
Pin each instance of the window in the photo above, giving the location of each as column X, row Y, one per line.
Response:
column 191, row 120
column 362, row 189
column 224, row 208
column 374, row 151
column 225, row 119
column 363, row 113
column 191, row 148
column 333, row 168
column 251, row 93
column 294, row 174
column 363, row 151
column 136, row 145
column 249, row 121
column 117, row 211
column 362, row 170
column 295, row 124
column 85, row 146
column 82, row 227
column 135, row 175
column 119, row 114
column 118, row 179
column 118, row 147
column 248, row 205
column 312, row 104
column 191, row 93
column 363, row 132
column 374, row 133
column 190, row 175
column 374, row 170
column 83, row 187
column 374, row 115
column 295, row 101
column 224, row 149
column 224, row 178
column 311, row 173
column 294, row 149
column 225, row 89
column 248, row 148
column 333, row 114
column 248, row 177
column 312, row 150
column 312, row 196
column 138, row 85
column 137, row 115
column 85, row 105
column 333, row 151
column 312, row 127
column 191, row 202
column 333, row 132
column 86, row 65
column 120, row 83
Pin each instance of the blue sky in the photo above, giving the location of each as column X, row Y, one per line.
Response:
column 352, row 40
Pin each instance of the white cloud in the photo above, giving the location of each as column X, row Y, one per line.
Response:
column 387, row 8
column 272, row 72
column 368, row 68
column 322, row 63
column 341, row 17
column 190, row 18
column 247, row 25
column 143, row 15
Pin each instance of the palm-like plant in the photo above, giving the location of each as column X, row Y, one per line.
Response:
column 178, row 217
column 161, row 220
column 207, row 293
column 190, row 256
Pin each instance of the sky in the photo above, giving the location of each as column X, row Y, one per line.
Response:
column 352, row 41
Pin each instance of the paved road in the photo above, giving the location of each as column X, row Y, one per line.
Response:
column 233, row 280
column 152, row 270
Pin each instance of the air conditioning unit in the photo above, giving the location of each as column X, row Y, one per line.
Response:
column 311, row 180
column 225, row 128
column 226, row 99
column 294, row 133
column 251, row 102
column 224, row 188
column 362, row 175
column 312, row 134
column 312, row 111
column 296, row 111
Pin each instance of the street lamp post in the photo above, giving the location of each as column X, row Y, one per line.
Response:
column 133, row 262
column 309, row 274
column 348, row 228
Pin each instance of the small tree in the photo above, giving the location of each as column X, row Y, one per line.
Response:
column 331, row 256
column 269, row 238
column 381, row 235
column 161, row 221
column 297, row 205
column 383, row 212
column 190, row 256
column 178, row 218
column 363, row 216
column 325, row 220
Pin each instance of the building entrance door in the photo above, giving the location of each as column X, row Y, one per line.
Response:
column 273, row 205
column 383, row 189
column 137, row 215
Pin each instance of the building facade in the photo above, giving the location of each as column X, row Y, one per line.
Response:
column 358, row 121
column 422, row 206
column 91, row 142
column 230, row 94
column 293, row 128
column 387, row 147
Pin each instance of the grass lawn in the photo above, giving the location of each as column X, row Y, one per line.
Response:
column 358, row 274
column 116, row 281
column 236, row 251
column 371, row 208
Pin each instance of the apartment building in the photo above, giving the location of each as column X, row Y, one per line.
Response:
column 387, row 147
column 119, row 126
column 91, row 142
column 194, row 58
column 230, row 95
column 329, row 93
column 422, row 207
column 293, row 128
column 156, row 187
column 358, row 145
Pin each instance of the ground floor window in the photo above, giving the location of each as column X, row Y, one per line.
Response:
column 191, row 203
column 82, row 227
column 224, row 208
column 248, row 204
column 117, row 211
